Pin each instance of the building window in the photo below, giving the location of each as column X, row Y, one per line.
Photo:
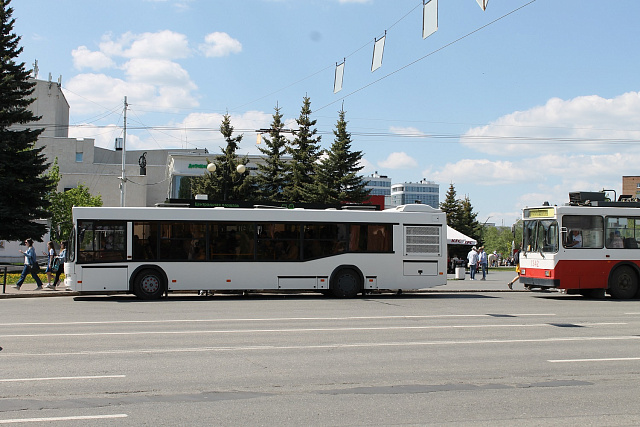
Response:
column 79, row 157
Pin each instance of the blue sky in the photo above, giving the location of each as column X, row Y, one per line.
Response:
column 515, row 105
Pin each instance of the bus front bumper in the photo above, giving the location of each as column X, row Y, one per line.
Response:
column 536, row 282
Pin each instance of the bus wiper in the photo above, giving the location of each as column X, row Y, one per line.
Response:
column 540, row 252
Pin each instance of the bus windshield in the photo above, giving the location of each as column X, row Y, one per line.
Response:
column 540, row 236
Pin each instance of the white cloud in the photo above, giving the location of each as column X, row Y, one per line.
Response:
column 84, row 58
column 398, row 160
column 585, row 123
column 96, row 92
column 160, row 45
column 159, row 72
column 407, row 131
column 368, row 167
column 484, row 172
column 203, row 130
column 219, row 44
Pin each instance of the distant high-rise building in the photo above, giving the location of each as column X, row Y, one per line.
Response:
column 379, row 185
column 425, row 192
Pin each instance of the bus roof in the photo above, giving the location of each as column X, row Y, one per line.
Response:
column 415, row 213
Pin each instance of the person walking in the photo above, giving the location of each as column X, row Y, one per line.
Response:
column 61, row 259
column 472, row 258
column 516, row 260
column 483, row 260
column 51, row 254
column 30, row 263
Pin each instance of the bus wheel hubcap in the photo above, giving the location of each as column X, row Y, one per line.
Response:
column 150, row 284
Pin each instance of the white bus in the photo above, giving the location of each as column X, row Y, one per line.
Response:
column 588, row 247
column 150, row 251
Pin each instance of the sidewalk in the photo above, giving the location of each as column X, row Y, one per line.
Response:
column 496, row 282
column 28, row 290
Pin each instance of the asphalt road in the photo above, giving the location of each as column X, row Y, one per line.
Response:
column 452, row 357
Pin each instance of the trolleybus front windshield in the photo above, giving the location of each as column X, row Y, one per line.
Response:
column 540, row 236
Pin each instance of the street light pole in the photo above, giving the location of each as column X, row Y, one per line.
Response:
column 241, row 169
column 123, row 178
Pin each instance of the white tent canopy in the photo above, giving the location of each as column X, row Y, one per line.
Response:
column 454, row 237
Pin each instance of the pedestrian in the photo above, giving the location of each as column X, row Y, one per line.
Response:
column 61, row 259
column 51, row 254
column 516, row 260
column 482, row 259
column 30, row 263
column 472, row 258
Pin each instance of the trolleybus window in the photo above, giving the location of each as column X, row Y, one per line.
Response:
column 622, row 232
column 583, row 231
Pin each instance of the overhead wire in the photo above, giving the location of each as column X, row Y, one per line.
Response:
column 322, row 70
column 427, row 55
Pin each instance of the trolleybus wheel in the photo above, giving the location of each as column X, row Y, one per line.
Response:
column 346, row 283
column 623, row 283
column 149, row 284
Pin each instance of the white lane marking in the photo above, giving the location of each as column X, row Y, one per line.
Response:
column 79, row 417
column 84, row 377
column 329, row 346
column 255, row 331
column 272, row 319
column 606, row 359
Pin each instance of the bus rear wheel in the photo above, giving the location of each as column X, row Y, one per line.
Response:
column 346, row 283
column 149, row 284
column 623, row 283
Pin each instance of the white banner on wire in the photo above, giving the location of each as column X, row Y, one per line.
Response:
column 429, row 18
column 337, row 82
column 378, row 50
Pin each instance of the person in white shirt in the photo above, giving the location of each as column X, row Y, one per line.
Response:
column 576, row 240
column 472, row 257
column 483, row 260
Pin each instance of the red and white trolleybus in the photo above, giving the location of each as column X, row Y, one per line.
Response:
column 589, row 246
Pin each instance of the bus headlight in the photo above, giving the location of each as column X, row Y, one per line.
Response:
column 547, row 273
column 523, row 271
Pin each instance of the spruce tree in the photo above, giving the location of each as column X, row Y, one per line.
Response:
column 469, row 224
column 22, row 166
column 452, row 207
column 272, row 175
column 305, row 152
column 225, row 183
column 338, row 172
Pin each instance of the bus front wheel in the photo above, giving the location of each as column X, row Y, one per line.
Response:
column 149, row 284
column 346, row 283
column 623, row 283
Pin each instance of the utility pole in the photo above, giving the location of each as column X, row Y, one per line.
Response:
column 123, row 178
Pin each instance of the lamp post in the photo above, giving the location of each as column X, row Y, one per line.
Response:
column 241, row 169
